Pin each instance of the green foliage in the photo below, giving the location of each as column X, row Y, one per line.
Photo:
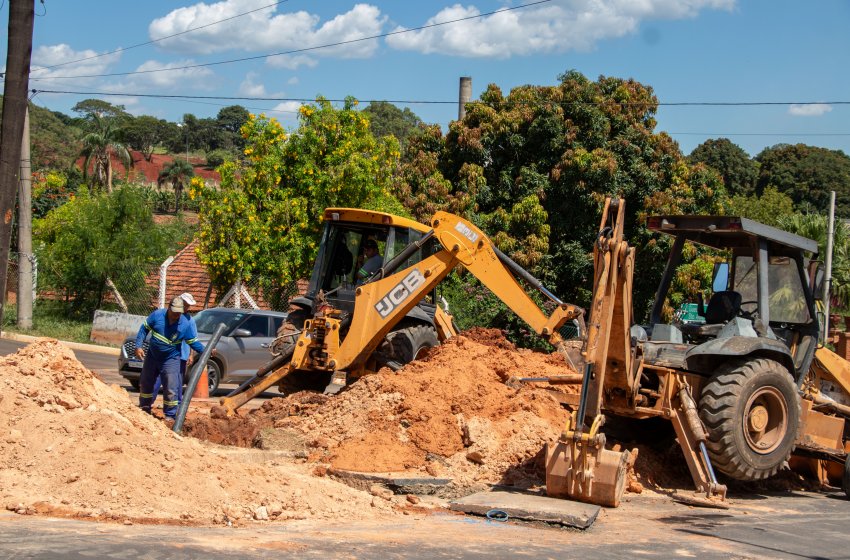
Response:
column 538, row 163
column 217, row 157
column 51, row 319
column 769, row 208
column 385, row 119
column 265, row 218
column 178, row 174
column 49, row 190
column 816, row 226
column 807, row 174
column 99, row 146
column 93, row 237
column 691, row 279
column 91, row 108
column 144, row 134
column 731, row 162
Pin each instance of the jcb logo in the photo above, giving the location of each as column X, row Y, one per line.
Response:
column 466, row 232
column 399, row 293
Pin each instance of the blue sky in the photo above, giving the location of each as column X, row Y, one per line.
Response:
column 689, row 51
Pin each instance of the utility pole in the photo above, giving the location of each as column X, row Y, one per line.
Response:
column 19, row 51
column 25, row 257
column 464, row 96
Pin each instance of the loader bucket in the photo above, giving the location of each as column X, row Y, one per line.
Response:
column 586, row 473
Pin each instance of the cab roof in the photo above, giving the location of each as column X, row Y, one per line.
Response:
column 729, row 232
column 371, row 217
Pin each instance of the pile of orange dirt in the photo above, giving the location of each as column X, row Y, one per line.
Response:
column 449, row 415
column 71, row 445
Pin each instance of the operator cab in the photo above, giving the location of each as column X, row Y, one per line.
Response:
column 341, row 264
column 761, row 302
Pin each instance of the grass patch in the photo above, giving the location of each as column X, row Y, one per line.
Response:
column 50, row 319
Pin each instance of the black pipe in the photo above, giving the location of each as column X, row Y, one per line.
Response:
column 195, row 375
column 525, row 275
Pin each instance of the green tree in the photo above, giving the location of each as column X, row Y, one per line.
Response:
column 91, row 108
column 99, row 146
column 540, row 160
column 230, row 120
column 178, row 174
column 265, row 218
column 95, row 239
column 387, row 119
column 731, row 162
column 144, row 133
column 769, row 208
column 807, row 174
column 816, row 226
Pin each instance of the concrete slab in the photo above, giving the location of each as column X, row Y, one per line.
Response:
column 399, row 483
column 529, row 507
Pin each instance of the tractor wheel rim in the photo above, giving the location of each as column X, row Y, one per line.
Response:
column 765, row 420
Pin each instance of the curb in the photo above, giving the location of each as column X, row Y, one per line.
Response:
column 72, row 345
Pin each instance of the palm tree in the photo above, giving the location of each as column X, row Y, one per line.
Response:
column 179, row 172
column 98, row 148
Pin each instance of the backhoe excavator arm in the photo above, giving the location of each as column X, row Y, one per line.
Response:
column 382, row 303
column 387, row 297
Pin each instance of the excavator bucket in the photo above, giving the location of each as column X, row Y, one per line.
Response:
column 578, row 467
column 586, row 472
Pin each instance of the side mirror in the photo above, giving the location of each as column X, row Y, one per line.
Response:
column 720, row 277
column 240, row 333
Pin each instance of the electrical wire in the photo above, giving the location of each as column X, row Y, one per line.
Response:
column 296, row 51
column 453, row 102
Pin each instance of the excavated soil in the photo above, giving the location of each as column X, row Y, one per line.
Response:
column 450, row 414
column 71, row 445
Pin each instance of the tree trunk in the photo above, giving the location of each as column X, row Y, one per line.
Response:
column 120, row 300
column 108, row 173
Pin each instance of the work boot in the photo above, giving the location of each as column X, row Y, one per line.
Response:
column 169, row 422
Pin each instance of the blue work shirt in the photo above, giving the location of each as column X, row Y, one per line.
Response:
column 184, row 348
column 167, row 338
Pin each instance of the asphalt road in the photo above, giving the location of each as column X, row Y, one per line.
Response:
column 792, row 526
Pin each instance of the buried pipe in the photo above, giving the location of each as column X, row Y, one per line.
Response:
column 194, row 375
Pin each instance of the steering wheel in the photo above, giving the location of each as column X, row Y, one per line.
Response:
column 748, row 314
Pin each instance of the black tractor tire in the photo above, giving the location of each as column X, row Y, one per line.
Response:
column 845, row 481
column 213, row 376
column 404, row 345
column 294, row 324
column 751, row 411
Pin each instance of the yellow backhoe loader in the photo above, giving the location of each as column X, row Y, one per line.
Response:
column 349, row 324
column 744, row 387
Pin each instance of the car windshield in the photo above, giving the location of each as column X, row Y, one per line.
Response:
column 208, row 319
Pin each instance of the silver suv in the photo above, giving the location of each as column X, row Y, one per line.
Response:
column 243, row 347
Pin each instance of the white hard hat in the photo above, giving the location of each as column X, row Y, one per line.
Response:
column 187, row 297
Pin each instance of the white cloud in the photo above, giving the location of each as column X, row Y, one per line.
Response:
column 809, row 110
column 291, row 62
column 293, row 81
column 558, row 27
column 51, row 55
column 267, row 31
column 249, row 88
column 288, row 107
column 158, row 76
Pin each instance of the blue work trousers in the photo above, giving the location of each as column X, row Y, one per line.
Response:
column 158, row 383
column 168, row 374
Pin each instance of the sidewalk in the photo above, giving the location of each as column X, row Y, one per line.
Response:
column 72, row 345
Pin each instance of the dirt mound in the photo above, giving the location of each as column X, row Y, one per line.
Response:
column 71, row 445
column 450, row 415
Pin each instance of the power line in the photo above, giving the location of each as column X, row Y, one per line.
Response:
column 453, row 102
column 296, row 51
column 152, row 41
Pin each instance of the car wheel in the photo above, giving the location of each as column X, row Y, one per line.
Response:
column 134, row 383
column 213, row 376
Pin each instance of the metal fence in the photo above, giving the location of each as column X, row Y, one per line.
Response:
column 138, row 289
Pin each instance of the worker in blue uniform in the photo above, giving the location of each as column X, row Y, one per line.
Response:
column 169, row 329
column 185, row 351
